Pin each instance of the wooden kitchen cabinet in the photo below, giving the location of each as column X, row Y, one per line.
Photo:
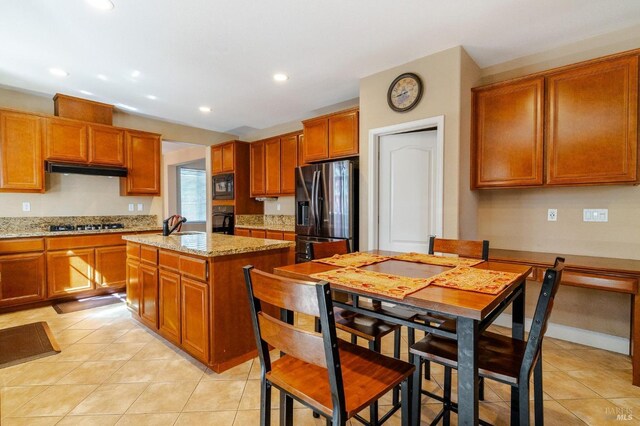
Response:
column 301, row 161
column 272, row 166
column 592, row 123
column 273, row 235
column 222, row 158
column 331, row 136
column 195, row 318
column 258, row 233
column 70, row 271
column 316, row 140
column 21, row 164
column 241, row 232
column 66, row 140
column 507, row 138
column 169, row 306
column 288, row 164
column 106, row 145
column 289, row 236
column 110, row 270
column 22, row 278
column 134, row 294
column 143, row 162
column 257, row 161
column 148, row 278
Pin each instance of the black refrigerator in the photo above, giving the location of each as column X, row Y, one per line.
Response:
column 326, row 205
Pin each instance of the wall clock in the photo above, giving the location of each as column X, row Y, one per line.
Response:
column 405, row 92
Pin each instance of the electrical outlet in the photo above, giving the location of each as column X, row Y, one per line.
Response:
column 130, row 207
column 140, row 207
column 595, row 215
column 552, row 215
column 26, row 206
column 278, row 206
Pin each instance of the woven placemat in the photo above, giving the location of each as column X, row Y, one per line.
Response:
column 473, row 279
column 432, row 259
column 353, row 260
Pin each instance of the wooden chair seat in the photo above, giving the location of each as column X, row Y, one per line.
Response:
column 499, row 357
column 366, row 376
column 364, row 326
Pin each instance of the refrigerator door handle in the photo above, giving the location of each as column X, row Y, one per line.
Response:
column 316, row 201
column 312, row 200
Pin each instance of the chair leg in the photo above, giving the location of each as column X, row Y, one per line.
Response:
column 416, row 394
column 265, row 403
column 317, row 328
column 523, row 404
column 446, row 418
column 354, row 339
column 481, row 388
column 427, row 370
column 515, row 402
column 374, row 345
column 396, row 354
column 405, row 410
column 538, row 400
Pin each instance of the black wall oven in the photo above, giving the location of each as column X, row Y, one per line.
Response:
column 223, row 187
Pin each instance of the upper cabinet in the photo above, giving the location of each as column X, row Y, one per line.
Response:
column 288, row 163
column 66, row 140
column 331, row 136
column 508, row 134
column 258, row 188
column 222, row 158
column 106, row 145
column 592, row 123
column 21, row 164
column 143, row 163
column 576, row 125
column 273, row 164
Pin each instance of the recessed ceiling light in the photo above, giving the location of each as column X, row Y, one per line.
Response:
column 205, row 109
column 152, row 97
column 280, row 77
column 102, row 77
column 101, row 4
column 86, row 92
column 135, row 74
column 124, row 106
column 58, row 72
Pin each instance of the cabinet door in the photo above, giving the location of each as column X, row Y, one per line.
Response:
column 258, row 233
column 301, row 161
column 288, row 164
column 257, row 169
column 272, row 166
column 143, row 162
column 216, row 159
column 21, row 279
column 21, row 165
column 149, row 295
column 592, row 123
column 70, row 271
column 242, row 232
column 195, row 318
column 133, row 286
column 66, row 141
column 507, row 145
column 274, row 235
column 227, row 157
column 169, row 306
column 343, row 134
column 316, row 140
column 110, row 268
column 289, row 236
column 106, row 145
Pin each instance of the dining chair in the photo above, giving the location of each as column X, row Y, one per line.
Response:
column 359, row 325
column 501, row 358
column 331, row 376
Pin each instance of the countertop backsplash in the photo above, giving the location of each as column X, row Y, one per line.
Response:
column 265, row 220
column 16, row 225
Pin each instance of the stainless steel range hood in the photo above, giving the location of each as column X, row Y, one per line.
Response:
column 83, row 169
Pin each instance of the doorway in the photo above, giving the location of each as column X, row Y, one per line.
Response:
column 406, row 185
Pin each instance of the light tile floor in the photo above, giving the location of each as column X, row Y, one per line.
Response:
column 113, row 371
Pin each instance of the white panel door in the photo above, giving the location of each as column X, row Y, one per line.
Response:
column 410, row 191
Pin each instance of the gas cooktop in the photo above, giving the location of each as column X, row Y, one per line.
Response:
column 54, row 228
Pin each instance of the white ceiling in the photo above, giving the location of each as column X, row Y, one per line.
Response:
column 223, row 53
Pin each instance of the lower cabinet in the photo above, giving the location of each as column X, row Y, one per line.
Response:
column 241, row 232
column 22, row 278
column 195, row 318
column 133, row 285
column 169, row 306
column 110, row 268
column 148, row 276
column 70, row 271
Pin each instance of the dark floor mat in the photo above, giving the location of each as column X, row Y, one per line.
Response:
column 89, row 302
column 25, row 343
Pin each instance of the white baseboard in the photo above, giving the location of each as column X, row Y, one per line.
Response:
column 576, row 335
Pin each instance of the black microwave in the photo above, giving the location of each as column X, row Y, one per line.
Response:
column 223, row 187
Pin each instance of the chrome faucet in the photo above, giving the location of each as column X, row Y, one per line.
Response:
column 176, row 222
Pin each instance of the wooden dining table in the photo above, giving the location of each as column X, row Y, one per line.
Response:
column 473, row 313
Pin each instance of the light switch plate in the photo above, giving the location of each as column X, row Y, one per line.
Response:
column 131, row 207
column 26, row 206
column 595, row 215
column 140, row 207
column 552, row 215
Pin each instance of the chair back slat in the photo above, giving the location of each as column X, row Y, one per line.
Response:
column 328, row 249
column 550, row 286
column 297, row 296
column 304, row 345
column 464, row 248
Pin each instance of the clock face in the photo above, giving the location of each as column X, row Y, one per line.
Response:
column 405, row 92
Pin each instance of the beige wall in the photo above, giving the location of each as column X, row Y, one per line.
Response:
column 443, row 80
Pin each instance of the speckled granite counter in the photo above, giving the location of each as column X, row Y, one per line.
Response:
column 278, row 223
column 209, row 245
column 65, row 233
column 277, row 228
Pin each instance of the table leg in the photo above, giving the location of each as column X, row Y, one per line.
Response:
column 517, row 317
column 467, row 330
column 286, row 402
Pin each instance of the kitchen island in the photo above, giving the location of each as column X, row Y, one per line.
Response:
column 190, row 289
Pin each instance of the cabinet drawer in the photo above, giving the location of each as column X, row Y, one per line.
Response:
column 289, row 236
column 149, row 254
column 194, row 267
column 133, row 250
column 21, row 245
column 169, row 260
column 274, row 235
column 62, row 243
column 258, row 233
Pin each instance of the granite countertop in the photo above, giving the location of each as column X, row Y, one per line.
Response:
column 209, row 245
column 277, row 228
column 34, row 234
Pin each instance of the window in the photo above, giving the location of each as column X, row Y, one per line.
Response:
column 192, row 190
